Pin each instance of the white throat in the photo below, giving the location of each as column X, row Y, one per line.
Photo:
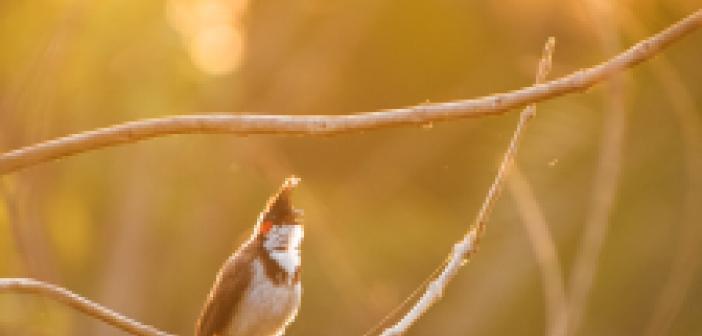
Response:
column 283, row 244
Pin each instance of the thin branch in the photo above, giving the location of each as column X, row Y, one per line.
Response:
column 328, row 124
column 27, row 285
column 544, row 250
column 467, row 246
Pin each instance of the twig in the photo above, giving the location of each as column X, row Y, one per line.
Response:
column 544, row 250
column 467, row 246
column 27, row 285
column 327, row 124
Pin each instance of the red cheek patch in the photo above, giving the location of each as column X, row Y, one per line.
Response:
column 265, row 227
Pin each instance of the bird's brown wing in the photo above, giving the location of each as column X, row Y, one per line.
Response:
column 225, row 295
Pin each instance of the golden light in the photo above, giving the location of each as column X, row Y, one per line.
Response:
column 212, row 31
column 217, row 50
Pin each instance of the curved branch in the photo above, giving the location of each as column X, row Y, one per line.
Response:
column 468, row 245
column 328, row 124
column 60, row 294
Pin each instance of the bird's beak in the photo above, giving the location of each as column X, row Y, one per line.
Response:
column 291, row 182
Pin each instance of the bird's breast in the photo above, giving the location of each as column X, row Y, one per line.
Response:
column 266, row 307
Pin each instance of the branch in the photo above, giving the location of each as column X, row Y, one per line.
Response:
column 467, row 246
column 62, row 295
column 328, row 124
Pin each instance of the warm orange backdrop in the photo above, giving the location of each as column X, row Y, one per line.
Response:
column 143, row 228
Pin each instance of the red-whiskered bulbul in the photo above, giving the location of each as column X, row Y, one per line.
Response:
column 257, row 291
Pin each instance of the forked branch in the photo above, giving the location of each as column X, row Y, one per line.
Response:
column 328, row 124
column 467, row 246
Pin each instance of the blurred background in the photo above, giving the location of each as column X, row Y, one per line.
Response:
column 143, row 228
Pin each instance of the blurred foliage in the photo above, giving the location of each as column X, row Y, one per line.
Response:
column 143, row 228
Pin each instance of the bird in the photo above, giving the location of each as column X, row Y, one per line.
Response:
column 257, row 291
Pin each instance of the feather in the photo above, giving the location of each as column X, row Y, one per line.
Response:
column 226, row 293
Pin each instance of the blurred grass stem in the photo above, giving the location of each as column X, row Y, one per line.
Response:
column 545, row 251
column 606, row 180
